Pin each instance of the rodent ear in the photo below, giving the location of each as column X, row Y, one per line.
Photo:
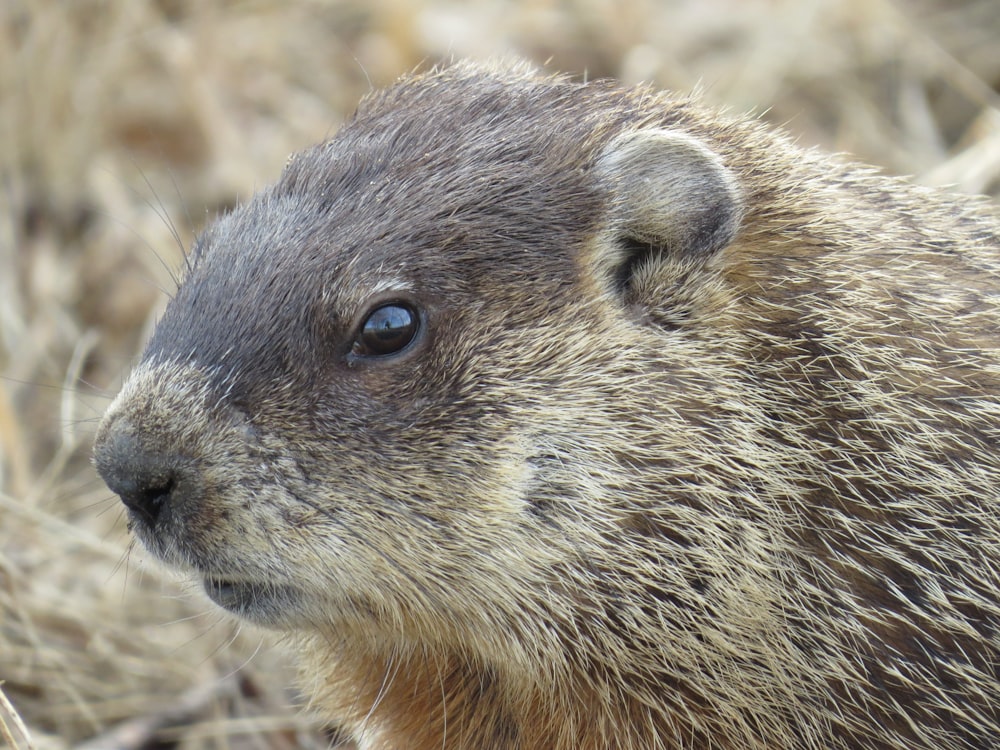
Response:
column 669, row 194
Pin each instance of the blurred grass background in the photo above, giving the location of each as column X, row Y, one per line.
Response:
column 125, row 125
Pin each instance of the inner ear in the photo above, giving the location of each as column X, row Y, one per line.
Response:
column 670, row 196
column 631, row 254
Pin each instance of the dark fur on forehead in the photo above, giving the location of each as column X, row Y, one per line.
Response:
column 447, row 182
column 451, row 156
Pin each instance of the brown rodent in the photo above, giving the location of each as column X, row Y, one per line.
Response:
column 557, row 415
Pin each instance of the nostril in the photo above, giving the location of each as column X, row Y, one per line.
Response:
column 148, row 496
column 146, row 480
column 155, row 497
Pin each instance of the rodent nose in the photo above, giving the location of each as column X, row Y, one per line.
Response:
column 143, row 479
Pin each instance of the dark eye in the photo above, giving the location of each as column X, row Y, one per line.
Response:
column 387, row 330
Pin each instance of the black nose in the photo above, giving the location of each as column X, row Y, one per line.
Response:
column 146, row 480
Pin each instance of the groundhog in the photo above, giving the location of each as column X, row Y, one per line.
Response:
column 546, row 414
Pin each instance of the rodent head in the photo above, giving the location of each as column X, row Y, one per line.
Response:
column 522, row 400
column 396, row 390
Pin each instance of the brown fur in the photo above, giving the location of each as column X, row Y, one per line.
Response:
column 697, row 446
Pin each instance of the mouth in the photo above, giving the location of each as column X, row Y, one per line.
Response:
column 266, row 604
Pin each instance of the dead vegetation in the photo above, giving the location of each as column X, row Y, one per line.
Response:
column 126, row 124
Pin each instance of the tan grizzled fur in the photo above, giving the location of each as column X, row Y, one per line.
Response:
column 696, row 447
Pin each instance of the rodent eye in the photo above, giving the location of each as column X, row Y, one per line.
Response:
column 386, row 330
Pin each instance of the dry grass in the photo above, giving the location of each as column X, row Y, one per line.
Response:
column 126, row 124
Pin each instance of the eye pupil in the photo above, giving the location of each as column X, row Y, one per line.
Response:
column 387, row 330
